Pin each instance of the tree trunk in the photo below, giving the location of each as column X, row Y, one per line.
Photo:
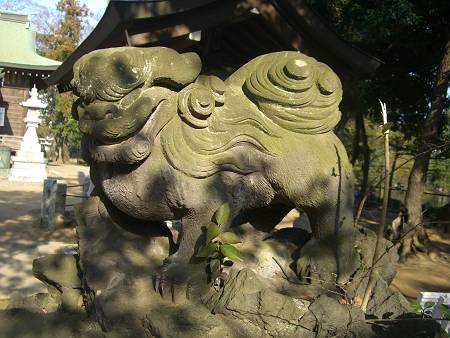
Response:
column 355, row 144
column 392, row 174
column 361, row 136
column 59, row 152
column 416, row 239
column 366, row 158
column 65, row 152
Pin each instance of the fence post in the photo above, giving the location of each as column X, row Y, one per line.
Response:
column 86, row 187
column 48, row 203
column 60, row 203
column 53, row 203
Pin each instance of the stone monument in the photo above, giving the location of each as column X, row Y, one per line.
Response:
column 29, row 163
column 229, row 159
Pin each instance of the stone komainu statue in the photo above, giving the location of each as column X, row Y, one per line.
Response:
column 164, row 142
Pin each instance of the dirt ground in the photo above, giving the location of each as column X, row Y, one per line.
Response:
column 22, row 240
column 426, row 272
column 422, row 272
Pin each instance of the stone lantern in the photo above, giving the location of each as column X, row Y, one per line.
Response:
column 29, row 163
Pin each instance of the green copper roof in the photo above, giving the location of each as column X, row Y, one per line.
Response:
column 18, row 44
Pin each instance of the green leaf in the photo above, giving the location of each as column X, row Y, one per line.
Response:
column 230, row 251
column 222, row 214
column 416, row 307
column 229, row 237
column 212, row 231
column 207, row 250
column 428, row 305
column 445, row 311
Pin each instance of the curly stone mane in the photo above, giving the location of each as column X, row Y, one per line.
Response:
column 273, row 95
column 206, row 120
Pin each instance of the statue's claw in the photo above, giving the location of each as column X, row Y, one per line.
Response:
column 170, row 283
column 305, row 263
column 317, row 263
column 181, row 281
column 304, row 269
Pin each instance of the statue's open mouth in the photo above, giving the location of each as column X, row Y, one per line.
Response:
column 134, row 146
column 131, row 150
column 112, row 122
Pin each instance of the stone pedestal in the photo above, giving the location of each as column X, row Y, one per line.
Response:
column 29, row 162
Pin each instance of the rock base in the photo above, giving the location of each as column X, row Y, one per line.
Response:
column 259, row 297
column 28, row 170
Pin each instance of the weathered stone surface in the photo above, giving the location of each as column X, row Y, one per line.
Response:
column 109, row 253
column 248, row 305
column 244, row 297
column 59, row 272
column 184, row 321
column 385, row 268
column 262, row 252
column 134, row 309
column 387, row 303
column 36, row 303
column 58, row 268
column 164, row 142
column 328, row 318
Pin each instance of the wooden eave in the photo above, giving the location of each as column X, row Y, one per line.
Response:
column 247, row 27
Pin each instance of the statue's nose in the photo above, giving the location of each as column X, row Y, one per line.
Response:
column 100, row 111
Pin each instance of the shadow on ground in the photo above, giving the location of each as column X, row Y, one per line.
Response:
column 21, row 236
column 20, row 323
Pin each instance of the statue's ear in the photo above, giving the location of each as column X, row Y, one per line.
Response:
column 110, row 74
column 168, row 67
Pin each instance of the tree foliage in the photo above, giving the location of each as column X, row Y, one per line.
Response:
column 63, row 38
column 66, row 33
column 412, row 38
column 409, row 37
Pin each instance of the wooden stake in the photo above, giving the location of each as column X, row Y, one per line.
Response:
column 380, row 232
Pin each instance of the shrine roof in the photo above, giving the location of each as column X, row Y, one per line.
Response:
column 232, row 32
column 18, row 44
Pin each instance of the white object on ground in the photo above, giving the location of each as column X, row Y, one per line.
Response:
column 438, row 298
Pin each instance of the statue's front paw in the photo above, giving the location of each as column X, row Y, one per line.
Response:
column 317, row 263
column 181, row 281
column 171, row 283
column 304, row 269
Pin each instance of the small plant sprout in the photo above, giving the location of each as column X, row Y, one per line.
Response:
column 218, row 246
column 422, row 310
column 427, row 310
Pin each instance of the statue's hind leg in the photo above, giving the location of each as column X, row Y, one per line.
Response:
column 331, row 253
